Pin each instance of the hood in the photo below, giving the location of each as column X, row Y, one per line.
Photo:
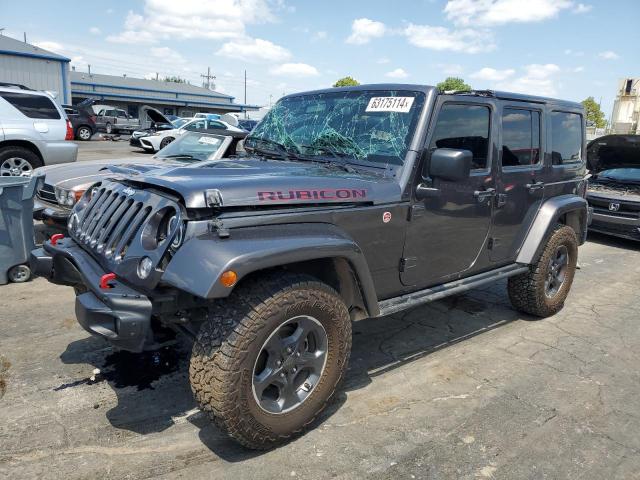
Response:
column 153, row 114
column 81, row 173
column 613, row 151
column 251, row 181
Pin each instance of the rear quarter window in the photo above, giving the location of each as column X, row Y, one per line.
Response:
column 566, row 138
column 32, row 106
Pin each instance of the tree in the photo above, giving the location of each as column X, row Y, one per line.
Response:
column 453, row 83
column 594, row 114
column 175, row 79
column 347, row 82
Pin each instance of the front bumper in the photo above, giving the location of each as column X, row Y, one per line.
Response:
column 120, row 314
column 616, row 225
column 135, row 141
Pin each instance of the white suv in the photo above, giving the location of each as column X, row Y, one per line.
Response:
column 34, row 131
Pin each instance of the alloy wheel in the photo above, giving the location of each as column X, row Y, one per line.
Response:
column 290, row 364
column 15, row 167
column 556, row 271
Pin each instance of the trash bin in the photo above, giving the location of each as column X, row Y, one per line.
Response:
column 16, row 226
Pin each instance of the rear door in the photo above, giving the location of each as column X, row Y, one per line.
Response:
column 520, row 176
column 37, row 111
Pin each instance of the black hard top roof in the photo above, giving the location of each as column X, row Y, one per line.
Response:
column 520, row 97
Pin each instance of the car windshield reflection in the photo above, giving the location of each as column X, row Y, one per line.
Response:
column 192, row 147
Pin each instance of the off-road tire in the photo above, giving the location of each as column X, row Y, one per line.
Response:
column 165, row 141
column 527, row 290
column 229, row 341
column 20, row 153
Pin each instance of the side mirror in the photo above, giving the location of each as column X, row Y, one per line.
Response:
column 450, row 164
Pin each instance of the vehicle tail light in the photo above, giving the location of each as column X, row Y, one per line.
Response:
column 93, row 118
column 69, row 135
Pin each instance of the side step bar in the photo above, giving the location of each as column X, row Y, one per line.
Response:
column 397, row 304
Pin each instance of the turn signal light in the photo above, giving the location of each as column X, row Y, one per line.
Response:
column 55, row 237
column 229, row 278
column 69, row 135
column 105, row 279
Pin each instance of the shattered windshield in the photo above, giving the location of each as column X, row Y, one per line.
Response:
column 365, row 126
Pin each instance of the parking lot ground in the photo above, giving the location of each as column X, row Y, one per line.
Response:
column 462, row 388
column 96, row 149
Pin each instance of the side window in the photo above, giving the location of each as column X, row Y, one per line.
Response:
column 464, row 127
column 216, row 125
column 122, row 114
column 520, row 137
column 566, row 138
column 32, row 106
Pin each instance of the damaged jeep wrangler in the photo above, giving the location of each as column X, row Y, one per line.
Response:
column 349, row 203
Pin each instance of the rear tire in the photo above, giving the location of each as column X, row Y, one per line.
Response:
column 18, row 162
column 543, row 289
column 234, row 372
column 84, row 133
column 108, row 128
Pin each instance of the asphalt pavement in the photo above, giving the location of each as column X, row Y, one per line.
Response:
column 462, row 388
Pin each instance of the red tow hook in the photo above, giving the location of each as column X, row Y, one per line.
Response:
column 105, row 279
column 55, row 237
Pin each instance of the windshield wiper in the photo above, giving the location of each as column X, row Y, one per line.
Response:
column 281, row 150
column 341, row 163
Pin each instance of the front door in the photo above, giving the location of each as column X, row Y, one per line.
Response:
column 520, row 178
column 447, row 232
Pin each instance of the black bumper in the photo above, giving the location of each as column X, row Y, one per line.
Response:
column 615, row 225
column 135, row 142
column 118, row 314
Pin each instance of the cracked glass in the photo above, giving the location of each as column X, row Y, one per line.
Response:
column 367, row 126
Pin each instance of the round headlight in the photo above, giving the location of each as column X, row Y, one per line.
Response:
column 144, row 267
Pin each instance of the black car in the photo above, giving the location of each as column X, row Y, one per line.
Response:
column 349, row 203
column 82, row 118
column 614, row 187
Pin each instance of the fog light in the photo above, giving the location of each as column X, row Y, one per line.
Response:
column 144, row 267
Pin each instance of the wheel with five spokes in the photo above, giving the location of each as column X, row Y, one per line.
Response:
column 543, row 289
column 267, row 361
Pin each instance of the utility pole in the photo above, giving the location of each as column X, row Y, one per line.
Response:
column 245, row 91
column 25, row 37
column 89, row 67
column 208, row 76
column 156, row 76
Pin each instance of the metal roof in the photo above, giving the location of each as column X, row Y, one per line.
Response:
column 143, row 84
column 11, row 46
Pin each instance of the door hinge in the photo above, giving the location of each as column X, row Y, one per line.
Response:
column 493, row 243
column 407, row 263
column 416, row 210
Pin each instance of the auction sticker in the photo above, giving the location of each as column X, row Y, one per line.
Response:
column 208, row 140
column 390, row 104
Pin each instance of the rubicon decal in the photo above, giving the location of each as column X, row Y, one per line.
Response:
column 324, row 194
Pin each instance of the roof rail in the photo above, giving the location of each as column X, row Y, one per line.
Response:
column 475, row 93
column 10, row 84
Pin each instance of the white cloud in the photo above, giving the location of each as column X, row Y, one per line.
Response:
column 609, row 55
column 254, row 49
column 441, row 38
column 382, row 60
column 167, row 54
column 397, row 73
column 363, row 30
column 578, row 69
column 499, row 12
column 295, row 70
column 213, row 19
column 582, row 8
column 95, row 31
column 493, row 75
column 537, row 80
column 320, row 35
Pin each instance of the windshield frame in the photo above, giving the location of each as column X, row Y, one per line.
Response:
column 424, row 96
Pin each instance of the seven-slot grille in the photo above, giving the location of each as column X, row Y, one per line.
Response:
column 110, row 221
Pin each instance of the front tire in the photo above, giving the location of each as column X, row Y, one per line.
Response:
column 268, row 360
column 165, row 141
column 18, row 162
column 543, row 289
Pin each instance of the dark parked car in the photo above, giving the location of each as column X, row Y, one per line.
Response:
column 351, row 203
column 614, row 188
column 83, row 120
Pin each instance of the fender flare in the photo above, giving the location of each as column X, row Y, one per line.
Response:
column 545, row 221
column 197, row 265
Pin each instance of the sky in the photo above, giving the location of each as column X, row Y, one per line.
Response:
column 568, row 49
